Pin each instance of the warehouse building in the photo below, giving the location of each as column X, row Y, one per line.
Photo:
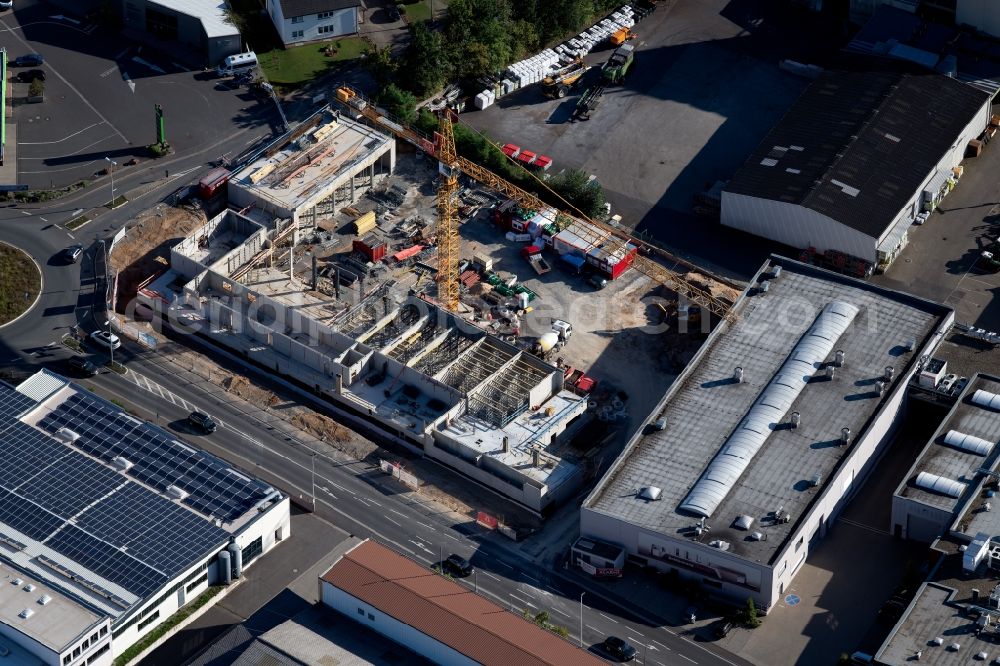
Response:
column 326, row 163
column 436, row 617
column 440, row 384
column 199, row 25
column 108, row 525
column 854, row 161
column 949, row 473
column 765, row 435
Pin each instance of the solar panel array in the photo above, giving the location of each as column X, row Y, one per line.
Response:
column 121, row 530
column 158, row 459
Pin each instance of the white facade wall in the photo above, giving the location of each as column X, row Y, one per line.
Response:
column 404, row 634
column 794, row 225
column 302, row 29
column 84, row 656
column 918, row 521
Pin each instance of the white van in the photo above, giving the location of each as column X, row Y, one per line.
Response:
column 234, row 64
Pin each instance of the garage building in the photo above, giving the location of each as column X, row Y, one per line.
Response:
column 765, row 435
column 199, row 24
column 854, row 161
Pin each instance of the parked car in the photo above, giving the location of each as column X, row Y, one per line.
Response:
column 72, row 254
column 596, row 281
column 203, row 421
column 81, row 366
column 619, row 648
column 29, row 60
column 458, row 566
column 29, row 75
column 106, row 339
column 6, row 4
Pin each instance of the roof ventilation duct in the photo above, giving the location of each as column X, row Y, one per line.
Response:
column 845, row 435
column 67, row 435
column 795, row 420
column 776, row 272
column 44, row 600
column 743, row 522
column 889, row 372
column 738, row 375
column 939, row 484
column 770, row 408
column 831, row 372
column 121, row 463
column 26, row 613
column 758, row 536
column 986, row 399
column 969, row 443
column 839, row 358
column 650, row 493
column 765, row 286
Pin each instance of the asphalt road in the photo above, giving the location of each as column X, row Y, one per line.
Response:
column 360, row 499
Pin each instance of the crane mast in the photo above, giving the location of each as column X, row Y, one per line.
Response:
column 449, row 252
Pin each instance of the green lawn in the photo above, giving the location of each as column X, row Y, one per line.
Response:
column 420, row 11
column 290, row 68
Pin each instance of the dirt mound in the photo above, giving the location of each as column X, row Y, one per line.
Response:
column 240, row 386
column 321, row 427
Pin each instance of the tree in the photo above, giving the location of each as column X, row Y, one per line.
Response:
column 400, row 104
column 750, row 614
column 239, row 21
column 582, row 192
column 380, row 63
column 479, row 36
column 427, row 62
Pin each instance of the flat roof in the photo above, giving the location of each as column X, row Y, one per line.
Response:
column 301, row 171
column 104, row 506
column 57, row 623
column 950, row 462
column 448, row 612
column 705, row 408
column 211, row 13
column 856, row 146
column 943, row 608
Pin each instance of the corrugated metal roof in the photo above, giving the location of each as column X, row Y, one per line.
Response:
column 211, row 13
column 856, row 146
column 41, row 385
column 448, row 612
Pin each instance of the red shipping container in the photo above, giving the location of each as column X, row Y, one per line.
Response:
column 373, row 249
column 212, row 182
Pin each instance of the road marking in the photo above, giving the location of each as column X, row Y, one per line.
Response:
column 658, row 643
column 60, row 17
column 392, row 521
column 130, row 82
column 486, row 573
column 179, row 67
column 556, row 610
column 636, row 634
column 522, row 600
column 71, row 235
column 339, row 487
column 594, row 629
column 42, row 218
column 421, row 546
column 532, row 579
column 65, row 138
column 686, row 657
column 452, row 537
column 607, row 617
column 108, row 72
column 24, row 212
column 122, row 54
column 77, row 211
column 153, row 67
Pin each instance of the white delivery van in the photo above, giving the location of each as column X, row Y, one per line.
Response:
column 235, row 64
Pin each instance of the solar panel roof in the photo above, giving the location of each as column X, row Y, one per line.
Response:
column 71, row 498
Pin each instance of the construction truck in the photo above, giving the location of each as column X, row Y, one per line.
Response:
column 619, row 63
column 588, row 102
column 559, row 83
column 620, row 36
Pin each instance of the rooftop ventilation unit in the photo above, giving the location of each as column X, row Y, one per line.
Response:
column 17, row 581
column 969, row 443
column 30, row 587
column 67, row 435
column 938, row 641
column 738, row 375
column 889, row 372
column 839, row 358
column 44, row 600
column 976, row 551
column 758, row 536
column 121, row 464
column 845, row 435
column 955, row 647
column 720, row 544
column 986, row 399
column 765, row 286
column 795, row 420
column 176, row 492
column 939, row 484
column 816, row 480
column 26, row 613
column 743, row 522
column 650, row 493
column 831, row 372
column 776, row 272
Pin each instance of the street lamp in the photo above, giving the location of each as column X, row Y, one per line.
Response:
column 313, row 459
column 113, row 165
column 581, row 618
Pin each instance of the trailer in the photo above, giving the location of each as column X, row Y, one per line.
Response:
column 588, row 103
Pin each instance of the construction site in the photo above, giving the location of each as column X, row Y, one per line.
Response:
column 520, row 371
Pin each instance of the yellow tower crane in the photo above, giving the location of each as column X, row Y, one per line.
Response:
column 596, row 233
column 449, row 251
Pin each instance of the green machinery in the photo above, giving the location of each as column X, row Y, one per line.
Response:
column 619, row 63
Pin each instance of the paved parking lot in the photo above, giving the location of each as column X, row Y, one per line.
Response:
column 100, row 90
column 940, row 262
column 700, row 97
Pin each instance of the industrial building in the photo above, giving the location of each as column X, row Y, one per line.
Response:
column 326, row 163
column 440, row 384
column 108, row 524
column 764, row 437
column 949, row 471
column 200, row 26
column 301, row 21
column 852, row 164
column 436, row 617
